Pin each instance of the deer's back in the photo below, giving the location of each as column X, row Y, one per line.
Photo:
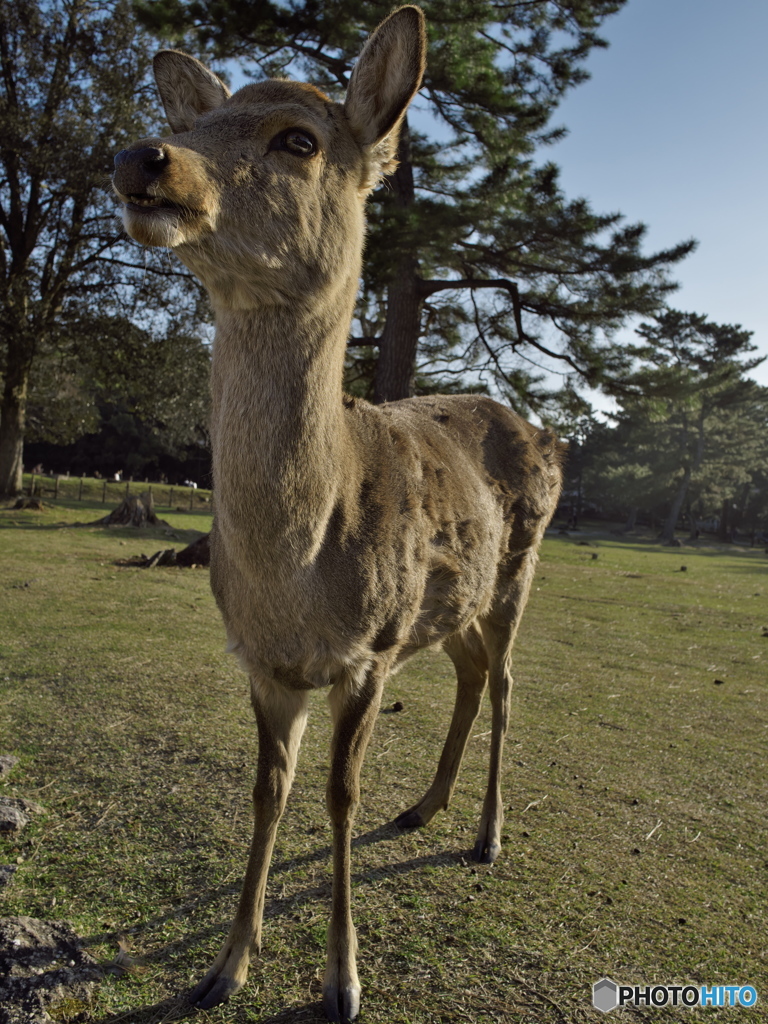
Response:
column 449, row 488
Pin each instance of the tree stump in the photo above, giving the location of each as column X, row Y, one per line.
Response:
column 29, row 504
column 133, row 510
column 166, row 556
column 196, row 553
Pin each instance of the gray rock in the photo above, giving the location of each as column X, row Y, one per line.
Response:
column 11, row 818
column 6, row 763
column 6, row 874
column 42, row 964
column 20, row 802
column 15, row 813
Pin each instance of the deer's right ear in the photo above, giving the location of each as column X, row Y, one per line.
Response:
column 187, row 88
column 385, row 79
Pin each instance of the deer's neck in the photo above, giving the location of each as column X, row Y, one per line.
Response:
column 277, row 427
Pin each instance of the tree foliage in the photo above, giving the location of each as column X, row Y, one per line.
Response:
column 476, row 262
column 74, row 90
column 690, row 429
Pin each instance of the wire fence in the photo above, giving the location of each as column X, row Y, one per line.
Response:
column 111, row 492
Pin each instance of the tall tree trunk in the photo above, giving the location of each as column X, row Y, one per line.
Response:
column 667, row 534
column 631, row 522
column 396, row 363
column 693, row 531
column 13, row 409
column 744, row 503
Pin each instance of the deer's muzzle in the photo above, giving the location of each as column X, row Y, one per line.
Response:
column 137, row 172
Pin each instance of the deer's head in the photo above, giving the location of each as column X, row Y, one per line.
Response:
column 261, row 193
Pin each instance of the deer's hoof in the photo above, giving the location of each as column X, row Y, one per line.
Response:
column 213, row 991
column 410, row 819
column 341, row 1004
column 486, row 852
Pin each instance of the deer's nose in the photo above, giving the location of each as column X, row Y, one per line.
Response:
column 137, row 169
column 150, row 158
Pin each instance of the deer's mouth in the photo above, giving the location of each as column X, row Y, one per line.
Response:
column 155, row 220
column 144, row 201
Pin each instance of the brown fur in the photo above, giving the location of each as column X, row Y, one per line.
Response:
column 346, row 536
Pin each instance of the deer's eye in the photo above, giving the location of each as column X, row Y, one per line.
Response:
column 295, row 141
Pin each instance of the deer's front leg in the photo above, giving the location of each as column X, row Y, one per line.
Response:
column 354, row 715
column 281, row 716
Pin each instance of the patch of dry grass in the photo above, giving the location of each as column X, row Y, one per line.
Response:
column 634, row 786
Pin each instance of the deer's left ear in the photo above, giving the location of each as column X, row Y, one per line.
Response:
column 187, row 88
column 385, row 79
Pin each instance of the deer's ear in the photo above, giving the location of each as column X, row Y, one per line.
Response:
column 187, row 88
column 385, row 79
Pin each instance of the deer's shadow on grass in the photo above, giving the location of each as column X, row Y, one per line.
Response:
column 178, row 1008
column 169, row 1010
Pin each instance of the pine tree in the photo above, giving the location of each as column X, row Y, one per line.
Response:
column 74, row 91
column 691, row 424
column 475, row 257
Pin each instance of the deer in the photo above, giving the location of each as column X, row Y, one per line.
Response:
column 346, row 536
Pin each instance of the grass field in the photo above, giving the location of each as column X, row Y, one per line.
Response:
column 635, row 789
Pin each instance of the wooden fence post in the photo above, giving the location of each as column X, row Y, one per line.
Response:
column 80, row 491
column 56, row 488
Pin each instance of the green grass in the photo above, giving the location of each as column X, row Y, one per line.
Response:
column 634, row 787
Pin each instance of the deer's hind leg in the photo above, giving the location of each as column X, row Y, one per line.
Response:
column 467, row 652
column 499, row 629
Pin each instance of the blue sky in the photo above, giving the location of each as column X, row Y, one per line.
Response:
column 671, row 130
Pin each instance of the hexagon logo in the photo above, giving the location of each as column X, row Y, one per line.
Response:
column 605, row 995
